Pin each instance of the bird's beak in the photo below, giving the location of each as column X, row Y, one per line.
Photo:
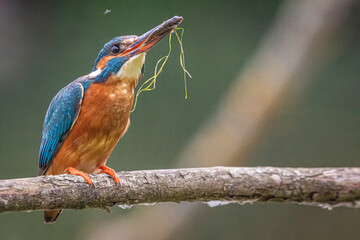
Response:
column 150, row 38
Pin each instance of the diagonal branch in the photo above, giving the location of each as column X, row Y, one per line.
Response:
column 326, row 187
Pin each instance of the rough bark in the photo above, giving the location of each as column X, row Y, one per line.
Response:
column 325, row 187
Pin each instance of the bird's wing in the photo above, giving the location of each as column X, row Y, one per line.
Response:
column 60, row 117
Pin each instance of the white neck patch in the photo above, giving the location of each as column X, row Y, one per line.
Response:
column 132, row 67
column 95, row 73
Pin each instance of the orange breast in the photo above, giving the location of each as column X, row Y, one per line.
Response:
column 104, row 118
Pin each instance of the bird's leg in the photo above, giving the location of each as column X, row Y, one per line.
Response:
column 111, row 172
column 74, row 171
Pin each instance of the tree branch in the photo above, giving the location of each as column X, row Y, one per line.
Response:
column 326, row 187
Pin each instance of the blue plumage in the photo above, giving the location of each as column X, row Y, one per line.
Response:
column 60, row 117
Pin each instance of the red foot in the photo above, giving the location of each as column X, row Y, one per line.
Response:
column 111, row 172
column 74, row 171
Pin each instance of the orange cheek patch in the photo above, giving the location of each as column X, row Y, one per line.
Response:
column 101, row 64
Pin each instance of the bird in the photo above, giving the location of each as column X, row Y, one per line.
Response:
column 87, row 118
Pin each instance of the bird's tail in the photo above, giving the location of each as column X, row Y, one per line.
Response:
column 50, row 216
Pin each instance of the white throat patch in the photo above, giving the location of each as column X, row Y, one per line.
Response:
column 132, row 67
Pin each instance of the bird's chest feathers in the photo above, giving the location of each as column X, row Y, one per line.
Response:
column 106, row 107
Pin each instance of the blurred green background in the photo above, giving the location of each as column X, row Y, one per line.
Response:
column 44, row 45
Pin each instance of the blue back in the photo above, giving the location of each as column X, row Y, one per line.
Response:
column 60, row 117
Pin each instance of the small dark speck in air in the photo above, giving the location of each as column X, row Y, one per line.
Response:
column 107, row 11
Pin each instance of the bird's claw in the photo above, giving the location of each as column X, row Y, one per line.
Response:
column 112, row 173
column 74, row 171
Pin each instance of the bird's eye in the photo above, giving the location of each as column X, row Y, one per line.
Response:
column 115, row 49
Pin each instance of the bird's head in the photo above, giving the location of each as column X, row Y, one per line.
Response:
column 122, row 58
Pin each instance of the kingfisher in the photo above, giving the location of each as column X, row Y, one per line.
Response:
column 87, row 118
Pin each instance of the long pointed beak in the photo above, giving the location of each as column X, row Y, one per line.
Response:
column 146, row 41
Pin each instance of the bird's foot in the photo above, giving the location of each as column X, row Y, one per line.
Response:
column 74, row 171
column 111, row 172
